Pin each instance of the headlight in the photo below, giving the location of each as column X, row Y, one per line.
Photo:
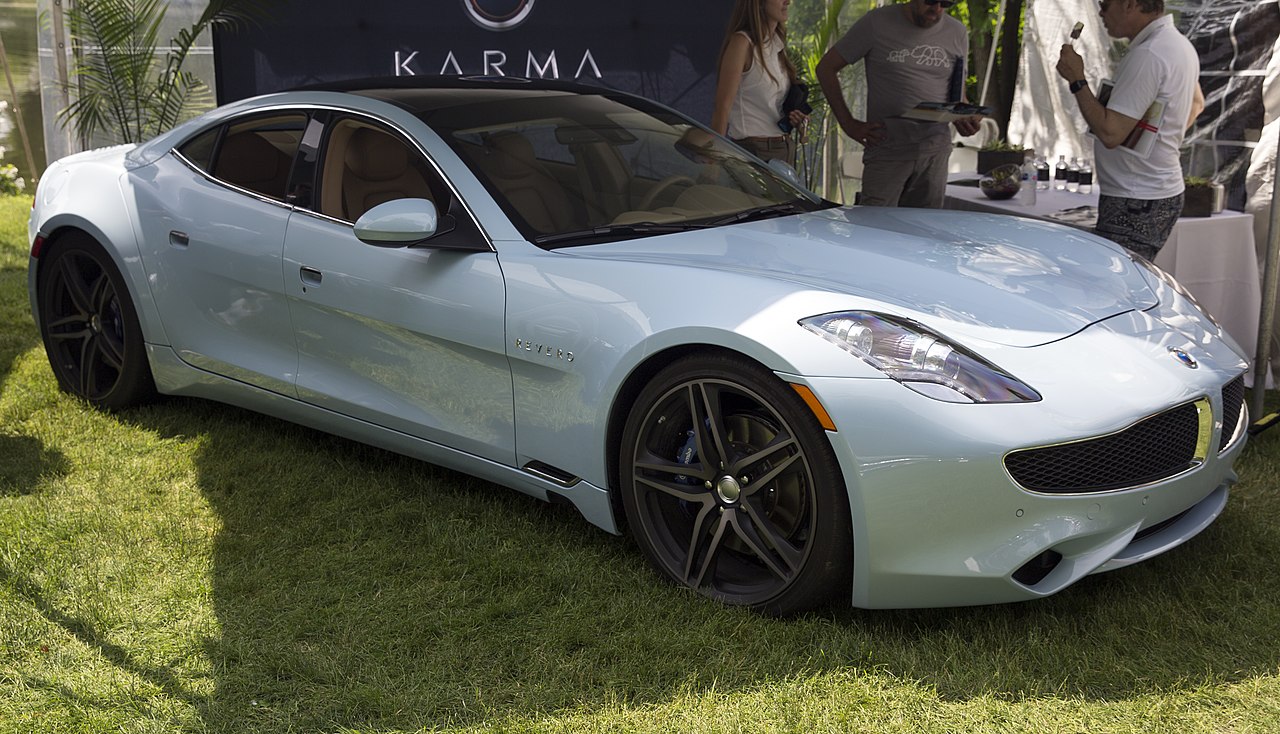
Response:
column 919, row 359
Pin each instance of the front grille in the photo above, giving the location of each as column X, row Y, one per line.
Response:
column 1148, row 451
column 1232, row 402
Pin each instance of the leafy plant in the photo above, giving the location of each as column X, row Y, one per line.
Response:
column 818, row 151
column 11, row 184
column 123, row 89
column 1001, row 145
column 1007, row 172
column 1193, row 182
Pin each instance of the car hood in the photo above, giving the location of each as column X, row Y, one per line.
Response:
column 1009, row 280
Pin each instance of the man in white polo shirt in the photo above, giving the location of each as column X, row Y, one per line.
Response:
column 1156, row 96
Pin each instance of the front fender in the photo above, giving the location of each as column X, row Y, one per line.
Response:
column 92, row 198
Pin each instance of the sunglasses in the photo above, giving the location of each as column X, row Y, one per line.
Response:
column 943, row 3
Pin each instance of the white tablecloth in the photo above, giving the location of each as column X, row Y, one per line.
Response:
column 1212, row 257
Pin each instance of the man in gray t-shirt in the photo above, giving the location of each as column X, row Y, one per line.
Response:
column 911, row 52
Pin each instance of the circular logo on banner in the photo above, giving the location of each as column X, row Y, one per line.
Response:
column 498, row 15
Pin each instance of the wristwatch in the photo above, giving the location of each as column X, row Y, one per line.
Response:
column 1077, row 85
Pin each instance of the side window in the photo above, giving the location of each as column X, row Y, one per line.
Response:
column 365, row 165
column 257, row 154
column 199, row 150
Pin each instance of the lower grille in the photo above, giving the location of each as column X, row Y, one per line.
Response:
column 1232, row 404
column 1152, row 449
column 1159, row 526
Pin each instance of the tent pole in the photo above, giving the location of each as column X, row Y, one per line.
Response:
column 17, row 115
column 991, row 57
column 1270, row 280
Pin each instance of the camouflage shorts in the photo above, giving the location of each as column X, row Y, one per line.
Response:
column 1141, row 226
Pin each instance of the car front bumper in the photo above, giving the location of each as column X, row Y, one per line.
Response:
column 938, row 520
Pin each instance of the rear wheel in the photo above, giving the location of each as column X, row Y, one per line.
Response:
column 89, row 326
column 731, row 488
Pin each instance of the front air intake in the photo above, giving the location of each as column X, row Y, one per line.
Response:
column 1232, row 410
column 1153, row 449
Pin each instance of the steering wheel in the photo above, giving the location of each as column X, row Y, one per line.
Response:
column 661, row 187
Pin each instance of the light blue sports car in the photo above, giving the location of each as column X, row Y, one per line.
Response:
column 585, row 296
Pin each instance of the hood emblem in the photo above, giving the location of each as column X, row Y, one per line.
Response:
column 1186, row 359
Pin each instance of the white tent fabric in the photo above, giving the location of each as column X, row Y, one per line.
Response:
column 1044, row 115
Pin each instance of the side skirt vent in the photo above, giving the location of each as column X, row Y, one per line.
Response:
column 551, row 473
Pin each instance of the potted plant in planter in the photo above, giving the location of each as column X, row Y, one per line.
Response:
column 1198, row 199
column 1001, row 182
column 998, row 153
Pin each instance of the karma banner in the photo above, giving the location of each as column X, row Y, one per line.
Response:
column 655, row 48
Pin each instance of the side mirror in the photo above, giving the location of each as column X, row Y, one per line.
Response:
column 398, row 223
column 784, row 169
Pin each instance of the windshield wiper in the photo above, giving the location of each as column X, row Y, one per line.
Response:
column 763, row 212
column 615, row 230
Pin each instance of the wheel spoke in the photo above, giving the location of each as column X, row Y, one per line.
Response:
column 659, row 465
column 760, row 529
column 110, row 352
column 750, row 534
column 695, row 542
column 764, row 480
column 85, row 365
column 704, row 406
column 103, row 295
column 78, row 320
column 682, row 492
column 73, row 281
column 712, row 548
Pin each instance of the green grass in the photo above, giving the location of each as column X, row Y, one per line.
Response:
column 190, row 567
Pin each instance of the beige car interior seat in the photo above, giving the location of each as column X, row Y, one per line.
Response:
column 365, row 167
column 538, row 197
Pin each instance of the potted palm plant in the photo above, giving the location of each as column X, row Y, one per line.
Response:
column 124, row 89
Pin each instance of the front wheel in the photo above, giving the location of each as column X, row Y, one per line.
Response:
column 731, row 488
column 89, row 326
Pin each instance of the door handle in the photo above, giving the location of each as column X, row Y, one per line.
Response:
column 178, row 239
column 310, row 276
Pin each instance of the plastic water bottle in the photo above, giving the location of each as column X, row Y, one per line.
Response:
column 1060, row 174
column 1042, row 173
column 1086, row 177
column 1073, row 176
column 1027, row 191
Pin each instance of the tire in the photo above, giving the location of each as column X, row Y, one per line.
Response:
column 731, row 488
column 89, row 326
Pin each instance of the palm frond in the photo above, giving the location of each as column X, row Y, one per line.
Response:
column 120, row 93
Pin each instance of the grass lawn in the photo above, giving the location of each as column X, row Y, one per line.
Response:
column 190, row 567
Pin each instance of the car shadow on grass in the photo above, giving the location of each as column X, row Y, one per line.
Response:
column 18, row 332
column 24, row 462
column 358, row 588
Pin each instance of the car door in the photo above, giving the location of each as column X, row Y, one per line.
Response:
column 212, row 220
column 407, row 338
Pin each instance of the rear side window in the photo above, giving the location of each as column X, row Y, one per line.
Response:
column 199, row 150
column 256, row 154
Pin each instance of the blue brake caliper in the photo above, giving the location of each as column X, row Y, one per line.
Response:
column 686, row 455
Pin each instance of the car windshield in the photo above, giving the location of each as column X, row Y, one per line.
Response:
column 578, row 168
